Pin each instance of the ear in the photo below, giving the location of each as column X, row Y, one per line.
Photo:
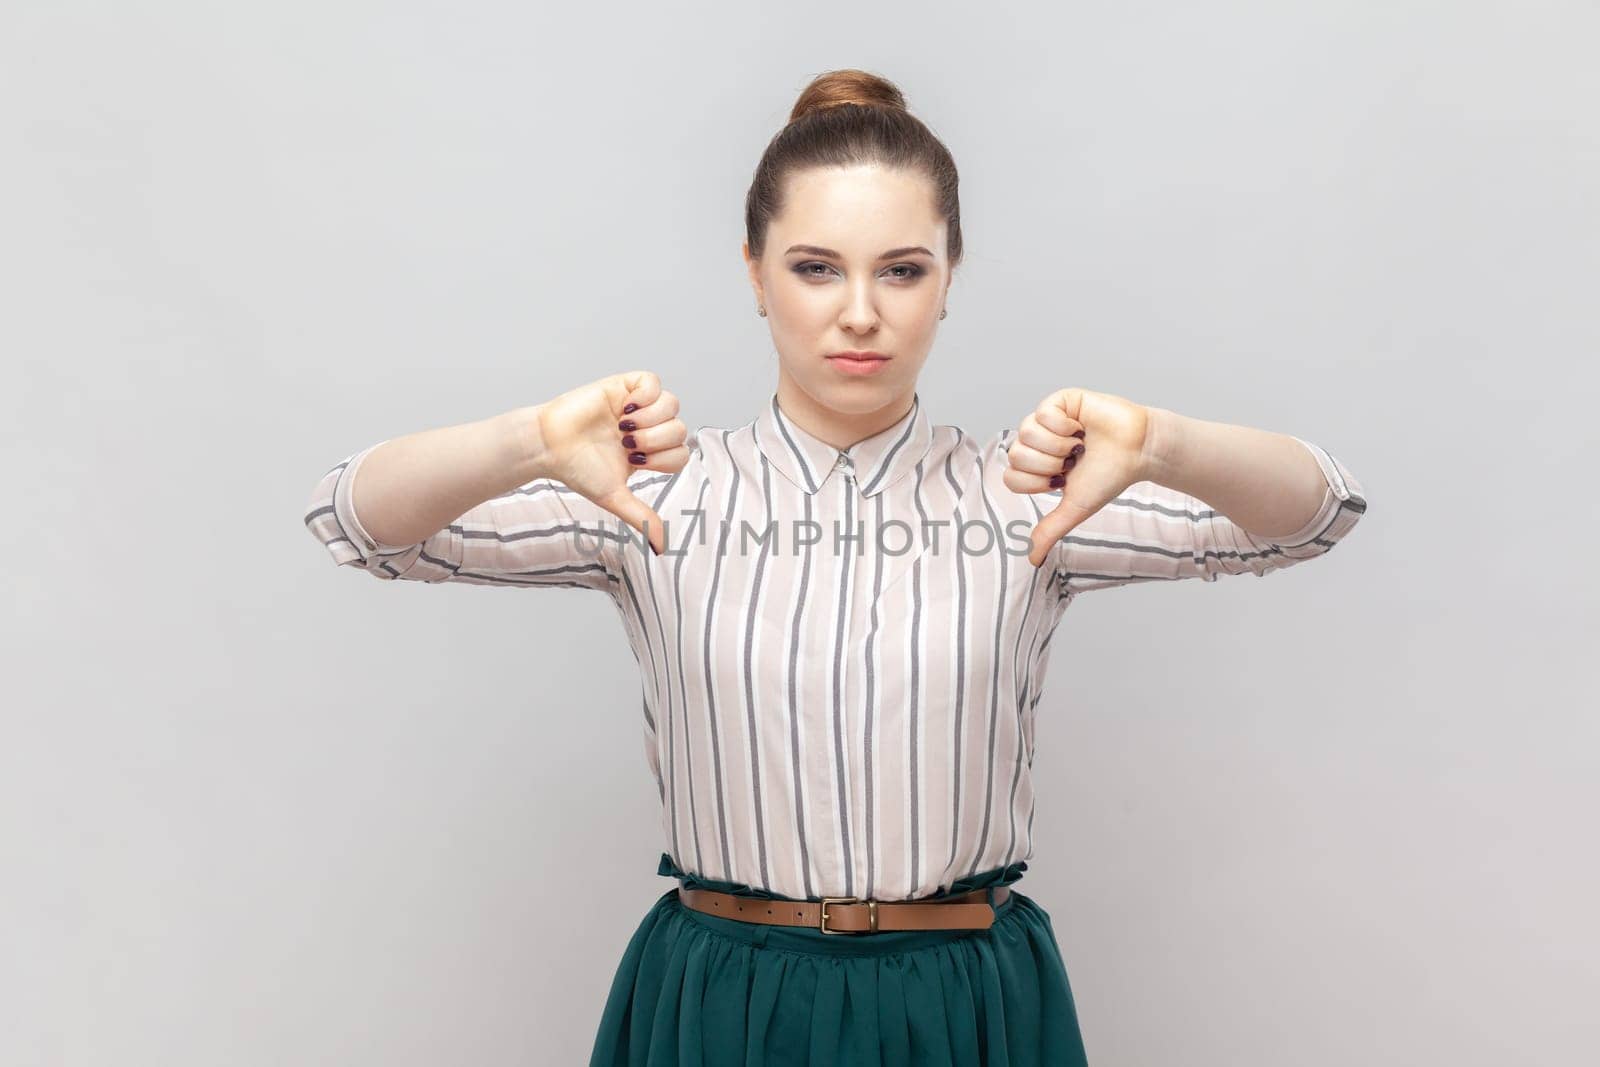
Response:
column 753, row 266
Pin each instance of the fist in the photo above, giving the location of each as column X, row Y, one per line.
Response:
column 593, row 437
column 1089, row 445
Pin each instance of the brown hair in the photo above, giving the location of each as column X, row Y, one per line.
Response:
column 844, row 118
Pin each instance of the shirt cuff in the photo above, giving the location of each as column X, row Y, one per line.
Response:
column 344, row 510
column 1335, row 496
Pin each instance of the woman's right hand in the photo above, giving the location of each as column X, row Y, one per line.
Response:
column 580, row 442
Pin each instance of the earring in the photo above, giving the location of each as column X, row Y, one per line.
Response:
column 761, row 310
column 943, row 312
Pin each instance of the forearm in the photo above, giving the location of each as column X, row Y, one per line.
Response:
column 1266, row 482
column 411, row 487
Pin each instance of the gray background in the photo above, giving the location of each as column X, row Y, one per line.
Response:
column 258, row 810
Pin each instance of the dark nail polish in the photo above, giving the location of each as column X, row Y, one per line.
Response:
column 626, row 424
column 636, row 457
column 1057, row 481
column 630, row 408
column 1077, row 450
column 1078, row 434
column 628, row 441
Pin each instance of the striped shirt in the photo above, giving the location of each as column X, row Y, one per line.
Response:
column 841, row 651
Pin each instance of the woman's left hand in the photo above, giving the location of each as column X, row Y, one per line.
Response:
column 1097, row 443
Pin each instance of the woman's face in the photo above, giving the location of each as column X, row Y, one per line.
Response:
column 855, row 262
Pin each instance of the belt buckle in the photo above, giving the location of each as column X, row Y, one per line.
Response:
column 822, row 914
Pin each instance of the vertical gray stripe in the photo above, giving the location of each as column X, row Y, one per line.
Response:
column 916, row 689
column 846, row 570
column 683, row 695
column 994, row 678
column 664, row 685
column 1021, row 683
column 794, row 711
column 1034, row 628
column 706, row 646
column 961, row 665
column 709, row 669
column 661, row 785
column 632, row 600
column 866, row 764
column 751, row 724
column 1038, row 684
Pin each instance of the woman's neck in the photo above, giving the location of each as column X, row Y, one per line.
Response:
column 841, row 429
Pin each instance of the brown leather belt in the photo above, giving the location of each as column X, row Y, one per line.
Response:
column 851, row 915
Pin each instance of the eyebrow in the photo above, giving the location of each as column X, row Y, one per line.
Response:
column 891, row 254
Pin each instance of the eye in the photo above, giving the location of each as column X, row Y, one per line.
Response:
column 912, row 270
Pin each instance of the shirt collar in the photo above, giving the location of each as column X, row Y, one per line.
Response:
column 879, row 460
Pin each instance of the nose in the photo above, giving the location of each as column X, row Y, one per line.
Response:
column 860, row 313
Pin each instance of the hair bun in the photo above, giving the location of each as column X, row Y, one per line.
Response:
column 852, row 118
column 849, row 86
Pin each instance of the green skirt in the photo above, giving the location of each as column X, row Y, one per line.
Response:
column 697, row 990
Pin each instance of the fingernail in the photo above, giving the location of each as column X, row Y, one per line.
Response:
column 1057, row 481
column 1078, row 434
column 628, row 441
column 630, row 408
column 636, row 457
column 626, row 424
column 1077, row 450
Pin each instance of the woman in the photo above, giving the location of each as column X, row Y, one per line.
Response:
column 841, row 613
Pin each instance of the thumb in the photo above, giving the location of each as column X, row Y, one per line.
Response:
column 1056, row 524
column 636, row 513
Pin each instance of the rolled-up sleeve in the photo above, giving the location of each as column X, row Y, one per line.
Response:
column 538, row 534
column 1154, row 533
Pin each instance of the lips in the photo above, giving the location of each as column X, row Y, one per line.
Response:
column 858, row 364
